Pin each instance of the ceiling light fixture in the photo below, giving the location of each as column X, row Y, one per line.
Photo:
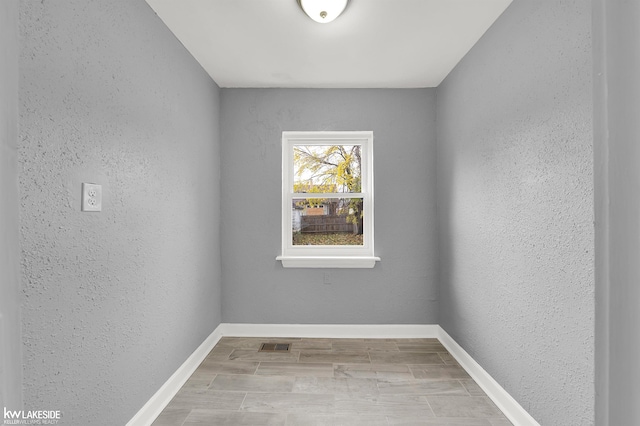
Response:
column 323, row 11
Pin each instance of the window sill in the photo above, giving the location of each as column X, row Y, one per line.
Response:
column 328, row 261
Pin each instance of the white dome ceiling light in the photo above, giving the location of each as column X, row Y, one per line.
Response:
column 323, row 11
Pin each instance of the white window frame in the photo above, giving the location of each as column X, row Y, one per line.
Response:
column 328, row 256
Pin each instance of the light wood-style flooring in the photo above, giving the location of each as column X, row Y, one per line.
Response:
column 331, row 382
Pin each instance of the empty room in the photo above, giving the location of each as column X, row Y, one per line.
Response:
column 329, row 212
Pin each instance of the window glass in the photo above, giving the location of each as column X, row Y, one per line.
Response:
column 327, row 222
column 327, row 168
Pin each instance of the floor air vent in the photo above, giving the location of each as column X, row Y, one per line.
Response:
column 275, row 347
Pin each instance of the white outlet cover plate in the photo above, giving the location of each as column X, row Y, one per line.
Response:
column 91, row 197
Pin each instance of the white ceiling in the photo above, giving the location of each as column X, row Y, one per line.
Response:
column 373, row 44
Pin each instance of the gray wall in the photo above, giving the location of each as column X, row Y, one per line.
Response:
column 115, row 301
column 400, row 289
column 10, row 340
column 617, row 170
column 515, row 207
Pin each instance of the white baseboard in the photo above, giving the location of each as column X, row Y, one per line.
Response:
column 152, row 409
column 505, row 402
column 336, row 331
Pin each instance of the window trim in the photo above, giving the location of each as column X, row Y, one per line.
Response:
column 328, row 256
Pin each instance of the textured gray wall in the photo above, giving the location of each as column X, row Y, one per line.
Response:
column 115, row 301
column 515, row 207
column 617, row 171
column 10, row 340
column 400, row 289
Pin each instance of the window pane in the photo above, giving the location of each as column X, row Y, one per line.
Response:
column 327, row 222
column 327, row 168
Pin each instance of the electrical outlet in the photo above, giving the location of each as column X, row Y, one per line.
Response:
column 91, row 197
column 327, row 278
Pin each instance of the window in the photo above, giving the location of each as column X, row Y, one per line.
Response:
column 327, row 200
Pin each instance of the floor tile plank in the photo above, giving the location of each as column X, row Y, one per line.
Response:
column 463, row 406
column 500, row 422
column 332, row 385
column 373, row 371
column 421, row 347
column 364, row 346
column 439, row 372
column 288, row 403
column 295, row 369
column 200, row 379
column 447, row 358
column 405, row 358
column 219, row 353
column 244, row 383
column 313, row 344
column 334, row 357
column 172, row 417
column 411, row 420
column 254, row 355
column 197, row 398
column 227, row 367
column 334, row 420
column 200, row 417
column 383, row 405
column 421, row 387
column 472, row 387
